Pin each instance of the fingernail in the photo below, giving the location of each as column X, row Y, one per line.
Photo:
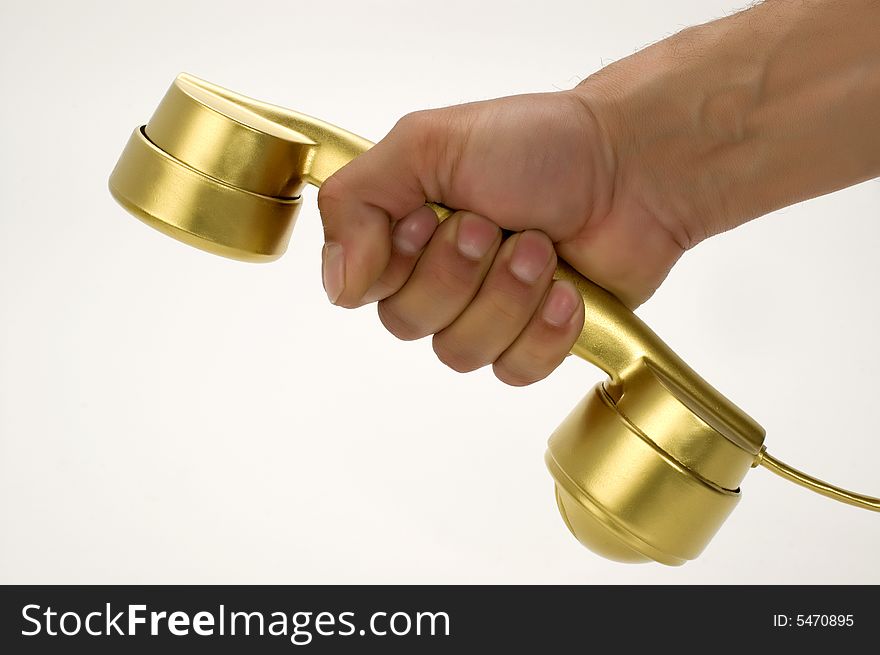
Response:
column 412, row 232
column 333, row 270
column 560, row 304
column 476, row 235
column 530, row 257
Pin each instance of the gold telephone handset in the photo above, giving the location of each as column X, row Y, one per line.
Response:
column 649, row 463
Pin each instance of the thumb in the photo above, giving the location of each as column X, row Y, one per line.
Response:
column 361, row 201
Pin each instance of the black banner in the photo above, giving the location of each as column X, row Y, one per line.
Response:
column 435, row 619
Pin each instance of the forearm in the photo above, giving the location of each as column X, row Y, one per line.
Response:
column 727, row 121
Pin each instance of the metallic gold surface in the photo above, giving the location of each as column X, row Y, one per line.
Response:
column 199, row 210
column 791, row 474
column 647, row 466
column 609, row 474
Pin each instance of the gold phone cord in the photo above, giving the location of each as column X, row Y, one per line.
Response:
column 813, row 484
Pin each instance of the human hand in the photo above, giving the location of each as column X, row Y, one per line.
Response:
column 692, row 136
column 538, row 165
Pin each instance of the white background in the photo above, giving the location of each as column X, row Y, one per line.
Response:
column 170, row 416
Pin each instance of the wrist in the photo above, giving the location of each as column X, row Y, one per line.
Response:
column 727, row 121
column 677, row 114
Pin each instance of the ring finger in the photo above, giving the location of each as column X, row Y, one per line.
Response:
column 512, row 291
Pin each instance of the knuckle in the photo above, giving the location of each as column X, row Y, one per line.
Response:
column 424, row 131
column 456, row 357
column 416, row 128
column 416, row 120
column 397, row 324
column 452, row 277
column 507, row 306
column 330, row 193
column 535, row 356
column 538, row 356
column 514, row 375
column 433, row 139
